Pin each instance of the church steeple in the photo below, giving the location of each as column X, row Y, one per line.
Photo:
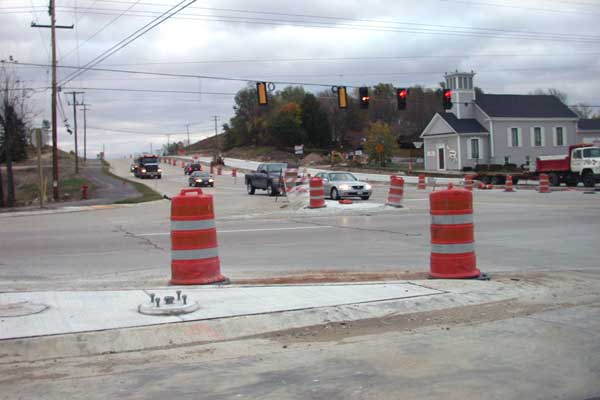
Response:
column 463, row 93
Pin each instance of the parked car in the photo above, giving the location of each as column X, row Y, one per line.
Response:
column 191, row 167
column 201, row 178
column 344, row 184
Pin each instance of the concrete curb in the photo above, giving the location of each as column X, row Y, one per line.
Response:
column 452, row 294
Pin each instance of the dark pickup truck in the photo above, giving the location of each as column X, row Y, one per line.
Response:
column 267, row 177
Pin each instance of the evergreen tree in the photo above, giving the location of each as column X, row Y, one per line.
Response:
column 315, row 122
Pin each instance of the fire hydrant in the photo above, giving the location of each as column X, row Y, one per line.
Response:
column 84, row 191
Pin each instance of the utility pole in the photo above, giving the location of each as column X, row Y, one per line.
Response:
column 168, row 142
column 53, row 27
column 216, row 118
column 85, row 109
column 42, row 188
column 75, row 126
column 151, row 152
column 187, row 126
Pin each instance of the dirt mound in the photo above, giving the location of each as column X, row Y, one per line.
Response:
column 314, row 159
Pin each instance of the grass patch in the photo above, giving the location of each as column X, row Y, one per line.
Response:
column 147, row 194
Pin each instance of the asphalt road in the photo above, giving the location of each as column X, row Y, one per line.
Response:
column 129, row 246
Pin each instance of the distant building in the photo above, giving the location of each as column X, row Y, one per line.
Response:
column 588, row 131
column 44, row 130
column 496, row 128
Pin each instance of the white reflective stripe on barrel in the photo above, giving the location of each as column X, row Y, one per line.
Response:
column 395, row 196
column 192, row 225
column 453, row 248
column 397, row 187
column 317, row 197
column 196, row 254
column 452, row 219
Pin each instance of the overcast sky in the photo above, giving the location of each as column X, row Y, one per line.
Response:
column 513, row 46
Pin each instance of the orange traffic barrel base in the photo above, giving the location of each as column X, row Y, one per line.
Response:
column 453, row 266
column 345, row 201
column 190, row 272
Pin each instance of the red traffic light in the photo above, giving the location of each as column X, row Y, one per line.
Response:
column 363, row 93
column 447, row 99
column 402, row 94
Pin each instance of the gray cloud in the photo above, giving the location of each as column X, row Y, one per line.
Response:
column 518, row 65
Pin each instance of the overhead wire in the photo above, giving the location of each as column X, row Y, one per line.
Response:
column 109, row 23
column 393, row 26
column 491, row 3
column 130, row 38
column 280, row 82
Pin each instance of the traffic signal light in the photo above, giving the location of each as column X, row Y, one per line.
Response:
column 363, row 94
column 402, row 94
column 261, row 90
column 342, row 97
column 447, row 99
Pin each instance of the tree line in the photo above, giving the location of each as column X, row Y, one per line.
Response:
column 294, row 116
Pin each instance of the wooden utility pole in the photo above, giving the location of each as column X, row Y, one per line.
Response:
column 75, row 104
column 187, row 126
column 216, row 118
column 85, row 109
column 42, row 189
column 53, row 27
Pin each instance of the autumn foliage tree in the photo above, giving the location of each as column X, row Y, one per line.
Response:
column 380, row 144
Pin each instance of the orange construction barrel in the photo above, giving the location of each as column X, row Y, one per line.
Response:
column 452, row 238
column 194, row 249
column 396, row 192
column 317, row 195
column 421, row 184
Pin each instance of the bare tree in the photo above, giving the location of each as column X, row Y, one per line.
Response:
column 562, row 96
column 12, row 120
column 583, row 110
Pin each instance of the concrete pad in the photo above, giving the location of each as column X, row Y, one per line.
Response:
column 84, row 311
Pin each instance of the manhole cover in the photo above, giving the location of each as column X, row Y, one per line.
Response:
column 21, row 309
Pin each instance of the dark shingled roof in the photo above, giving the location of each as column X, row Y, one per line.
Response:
column 588, row 124
column 467, row 125
column 523, row 106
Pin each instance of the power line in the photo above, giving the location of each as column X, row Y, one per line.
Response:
column 221, row 78
column 548, row 10
column 259, row 12
column 112, row 21
column 150, row 91
column 400, row 27
column 147, row 133
column 250, row 79
column 130, row 38
column 358, row 59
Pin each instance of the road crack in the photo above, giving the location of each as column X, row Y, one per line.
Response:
column 142, row 239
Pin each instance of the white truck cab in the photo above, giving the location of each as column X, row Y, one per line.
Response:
column 586, row 158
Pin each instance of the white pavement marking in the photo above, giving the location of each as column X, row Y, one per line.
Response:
column 295, row 228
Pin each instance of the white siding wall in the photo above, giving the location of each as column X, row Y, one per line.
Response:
column 518, row 154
